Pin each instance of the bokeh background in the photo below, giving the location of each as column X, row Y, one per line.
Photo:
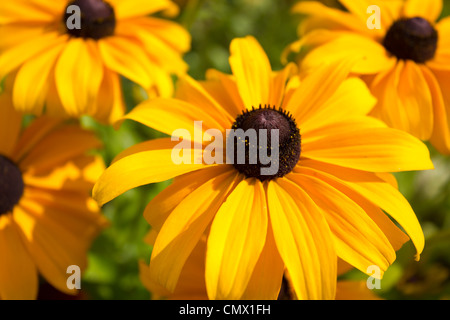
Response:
column 113, row 259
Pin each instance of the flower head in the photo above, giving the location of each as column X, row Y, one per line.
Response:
column 67, row 57
column 47, row 218
column 404, row 62
column 300, row 217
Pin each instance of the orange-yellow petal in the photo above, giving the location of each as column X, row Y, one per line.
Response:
column 303, row 239
column 366, row 144
column 251, row 67
column 236, row 240
column 358, row 239
column 185, row 226
column 133, row 170
column 18, row 273
column 10, row 125
column 378, row 192
column 430, row 9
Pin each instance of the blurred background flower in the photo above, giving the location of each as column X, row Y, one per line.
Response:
column 47, row 218
column 404, row 60
column 61, row 66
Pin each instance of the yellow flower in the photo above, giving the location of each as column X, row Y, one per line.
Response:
column 63, row 68
column 325, row 200
column 47, row 218
column 406, row 62
column 191, row 284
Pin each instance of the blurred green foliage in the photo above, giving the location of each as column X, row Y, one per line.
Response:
column 113, row 259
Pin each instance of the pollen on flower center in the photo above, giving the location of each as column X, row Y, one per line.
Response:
column 97, row 19
column 11, row 185
column 289, row 141
column 412, row 39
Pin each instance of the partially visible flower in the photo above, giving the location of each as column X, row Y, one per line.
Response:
column 47, row 217
column 406, row 63
column 61, row 69
column 324, row 200
column 191, row 284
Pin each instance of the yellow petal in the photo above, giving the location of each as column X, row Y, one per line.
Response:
column 140, row 168
column 267, row 276
column 389, row 107
column 12, row 58
column 415, row 95
column 58, row 147
column 430, row 10
column 251, row 67
column 236, row 240
column 158, row 114
column 191, row 284
column 185, row 226
column 81, row 216
column 303, row 239
column 404, row 99
column 395, row 236
column 52, row 247
column 365, row 144
column 327, row 18
column 441, row 59
column 437, row 81
column 31, row 83
column 223, row 88
column 168, row 31
column 159, row 208
column 380, row 193
column 30, row 11
column 116, row 53
column 358, row 239
column 279, row 81
column 370, row 55
column 351, row 98
column 138, row 8
column 10, row 125
column 161, row 52
column 191, row 91
column 78, row 174
column 315, row 89
column 18, row 273
column 78, row 87
column 33, row 134
column 110, row 105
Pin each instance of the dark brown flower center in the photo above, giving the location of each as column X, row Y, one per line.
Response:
column 93, row 19
column 286, row 292
column 411, row 39
column 11, row 185
column 272, row 143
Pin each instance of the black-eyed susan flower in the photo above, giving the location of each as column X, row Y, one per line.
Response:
column 403, row 52
column 65, row 66
column 326, row 200
column 47, row 217
column 191, row 284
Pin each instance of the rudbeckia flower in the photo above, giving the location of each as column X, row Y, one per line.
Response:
column 47, row 217
column 324, row 201
column 67, row 57
column 404, row 59
column 191, row 284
